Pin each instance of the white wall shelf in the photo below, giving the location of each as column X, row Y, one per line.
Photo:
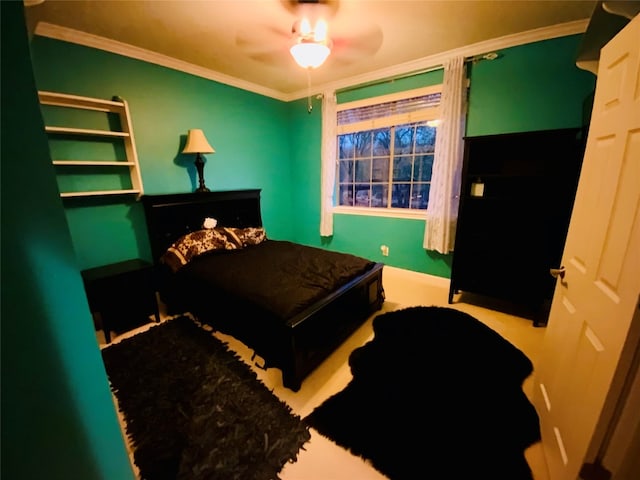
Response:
column 98, row 193
column 118, row 107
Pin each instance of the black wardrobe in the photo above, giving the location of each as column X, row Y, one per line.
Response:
column 517, row 194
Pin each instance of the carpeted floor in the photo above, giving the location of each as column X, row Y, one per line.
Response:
column 440, row 376
column 194, row 410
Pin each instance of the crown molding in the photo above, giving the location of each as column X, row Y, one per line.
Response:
column 58, row 32
column 431, row 62
column 434, row 62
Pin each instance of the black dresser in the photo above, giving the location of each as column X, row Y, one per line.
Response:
column 517, row 193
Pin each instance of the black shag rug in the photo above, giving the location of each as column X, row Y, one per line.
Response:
column 194, row 410
column 436, row 394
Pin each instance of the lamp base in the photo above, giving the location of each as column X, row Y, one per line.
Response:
column 200, row 168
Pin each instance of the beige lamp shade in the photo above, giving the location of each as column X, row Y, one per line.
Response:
column 197, row 142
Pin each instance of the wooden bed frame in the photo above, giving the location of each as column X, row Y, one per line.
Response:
column 313, row 334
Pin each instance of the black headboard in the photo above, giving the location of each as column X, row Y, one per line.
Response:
column 170, row 216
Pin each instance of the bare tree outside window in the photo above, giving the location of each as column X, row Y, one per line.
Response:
column 389, row 167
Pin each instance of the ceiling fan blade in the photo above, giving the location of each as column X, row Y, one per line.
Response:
column 358, row 45
column 271, row 47
column 265, row 35
column 275, row 58
column 267, row 44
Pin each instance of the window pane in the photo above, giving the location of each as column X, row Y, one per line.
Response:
column 346, row 171
column 363, row 170
column 379, row 195
column 346, row 195
column 425, row 139
column 345, row 146
column 422, row 168
column 363, row 143
column 362, row 195
column 402, row 169
column 404, row 139
column 400, row 193
column 380, row 171
column 381, row 142
column 420, row 195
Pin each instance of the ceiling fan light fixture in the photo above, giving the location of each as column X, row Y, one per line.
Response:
column 310, row 54
column 312, row 46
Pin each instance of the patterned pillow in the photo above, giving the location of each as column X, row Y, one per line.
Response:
column 189, row 246
column 251, row 235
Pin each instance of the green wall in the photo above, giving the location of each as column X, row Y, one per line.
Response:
column 530, row 87
column 305, row 144
column 58, row 418
column 393, row 86
column 248, row 132
column 272, row 145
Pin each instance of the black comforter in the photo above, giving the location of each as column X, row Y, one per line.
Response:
column 277, row 277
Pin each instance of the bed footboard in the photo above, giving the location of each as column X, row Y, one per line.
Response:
column 321, row 329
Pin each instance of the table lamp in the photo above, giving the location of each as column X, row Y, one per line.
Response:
column 197, row 143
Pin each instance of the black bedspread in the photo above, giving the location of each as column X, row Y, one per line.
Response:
column 278, row 277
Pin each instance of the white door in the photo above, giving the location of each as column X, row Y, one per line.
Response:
column 594, row 303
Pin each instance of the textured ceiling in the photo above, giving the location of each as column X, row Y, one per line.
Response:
column 248, row 40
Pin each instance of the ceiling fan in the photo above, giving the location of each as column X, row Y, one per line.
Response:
column 312, row 34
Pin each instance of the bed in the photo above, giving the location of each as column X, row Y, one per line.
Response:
column 292, row 304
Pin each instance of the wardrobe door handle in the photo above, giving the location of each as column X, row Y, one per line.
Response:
column 557, row 272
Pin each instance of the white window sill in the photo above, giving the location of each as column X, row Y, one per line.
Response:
column 382, row 212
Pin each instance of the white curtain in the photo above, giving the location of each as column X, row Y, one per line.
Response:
column 328, row 153
column 444, row 195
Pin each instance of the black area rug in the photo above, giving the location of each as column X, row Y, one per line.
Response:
column 436, row 395
column 194, row 410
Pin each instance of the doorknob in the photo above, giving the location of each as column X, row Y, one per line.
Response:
column 557, row 272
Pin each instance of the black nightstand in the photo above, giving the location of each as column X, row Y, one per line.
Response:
column 123, row 293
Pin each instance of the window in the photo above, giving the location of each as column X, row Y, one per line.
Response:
column 385, row 151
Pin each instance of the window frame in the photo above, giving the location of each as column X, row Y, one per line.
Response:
column 429, row 114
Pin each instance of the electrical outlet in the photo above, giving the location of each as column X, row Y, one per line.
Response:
column 385, row 250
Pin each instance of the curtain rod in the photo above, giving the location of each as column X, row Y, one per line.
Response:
column 472, row 59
